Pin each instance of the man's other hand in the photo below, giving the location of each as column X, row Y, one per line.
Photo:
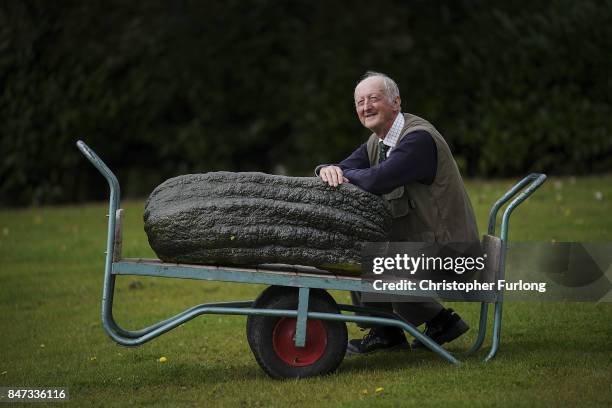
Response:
column 332, row 175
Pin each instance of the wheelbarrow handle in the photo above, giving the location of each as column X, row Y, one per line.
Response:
column 113, row 206
column 533, row 180
column 103, row 169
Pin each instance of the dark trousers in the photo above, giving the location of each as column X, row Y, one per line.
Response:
column 416, row 313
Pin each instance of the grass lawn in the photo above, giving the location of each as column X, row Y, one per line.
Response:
column 50, row 288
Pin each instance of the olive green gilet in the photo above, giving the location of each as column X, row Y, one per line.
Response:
column 440, row 212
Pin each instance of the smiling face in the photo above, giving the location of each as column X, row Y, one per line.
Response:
column 374, row 109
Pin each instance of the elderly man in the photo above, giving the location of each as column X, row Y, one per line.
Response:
column 407, row 161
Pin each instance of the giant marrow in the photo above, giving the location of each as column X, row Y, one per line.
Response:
column 256, row 218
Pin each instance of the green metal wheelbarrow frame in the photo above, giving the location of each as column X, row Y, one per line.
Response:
column 296, row 277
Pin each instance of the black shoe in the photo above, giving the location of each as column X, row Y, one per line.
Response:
column 445, row 327
column 379, row 338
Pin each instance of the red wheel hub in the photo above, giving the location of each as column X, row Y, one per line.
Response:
column 283, row 342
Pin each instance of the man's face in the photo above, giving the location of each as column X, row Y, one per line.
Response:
column 373, row 107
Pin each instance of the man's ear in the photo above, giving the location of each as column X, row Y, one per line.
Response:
column 397, row 104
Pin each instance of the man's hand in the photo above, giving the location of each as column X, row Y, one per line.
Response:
column 332, row 175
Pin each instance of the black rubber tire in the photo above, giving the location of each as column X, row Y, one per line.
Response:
column 260, row 329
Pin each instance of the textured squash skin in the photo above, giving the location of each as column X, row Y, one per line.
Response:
column 256, row 218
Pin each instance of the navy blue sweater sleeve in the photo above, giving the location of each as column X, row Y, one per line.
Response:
column 357, row 160
column 414, row 159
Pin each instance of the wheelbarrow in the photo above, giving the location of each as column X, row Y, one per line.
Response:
column 295, row 328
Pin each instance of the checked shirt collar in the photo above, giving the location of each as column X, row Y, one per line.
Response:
column 395, row 132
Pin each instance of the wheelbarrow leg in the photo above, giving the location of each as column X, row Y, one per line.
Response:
column 482, row 328
column 300, row 330
column 496, row 330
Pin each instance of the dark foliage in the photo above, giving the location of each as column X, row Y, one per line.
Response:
column 166, row 88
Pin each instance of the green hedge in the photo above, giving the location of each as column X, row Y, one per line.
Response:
column 166, row 88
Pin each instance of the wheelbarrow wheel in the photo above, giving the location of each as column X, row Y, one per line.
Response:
column 272, row 338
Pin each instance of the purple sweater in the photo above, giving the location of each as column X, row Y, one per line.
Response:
column 414, row 159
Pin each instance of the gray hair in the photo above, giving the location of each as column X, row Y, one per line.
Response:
column 391, row 89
